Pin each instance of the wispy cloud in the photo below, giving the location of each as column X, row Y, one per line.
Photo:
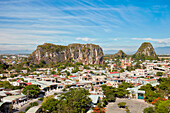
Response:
column 159, row 41
column 60, row 21
column 31, row 31
column 86, row 39
column 115, row 39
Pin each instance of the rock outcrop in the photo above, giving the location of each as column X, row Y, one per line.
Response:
column 85, row 53
column 146, row 50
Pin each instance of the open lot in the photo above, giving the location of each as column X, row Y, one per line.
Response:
column 135, row 106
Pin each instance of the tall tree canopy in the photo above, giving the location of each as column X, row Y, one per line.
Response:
column 74, row 101
column 31, row 90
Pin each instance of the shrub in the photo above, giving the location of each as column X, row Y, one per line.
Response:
column 64, row 89
column 127, row 110
column 21, row 112
column 55, row 94
column 41, row 99
column 26, row 109
column 32, row 104
column 122, row 104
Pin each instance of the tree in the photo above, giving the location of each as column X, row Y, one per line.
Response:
column 149, row 110
column 147, row 87
column 111, row 98
column 77, row 100
column 164, row 86
column 159, row 73
column 33, row 104
column 12, row 75
column 104, row 101
column 31, row 91
column 122, row 70
column 68, row 73
column 75, row 71
column 121, row 92
column 64, row 89
column 74, row 101
column 163, row 107
column 109, row 92
column 137, row 65
column 49, row 104
column 7, row 85
column 150, row 96
column 53, row 72
column 125, row 85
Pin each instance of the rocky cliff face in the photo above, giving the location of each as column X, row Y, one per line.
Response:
column 147, row 50
column 85, row 53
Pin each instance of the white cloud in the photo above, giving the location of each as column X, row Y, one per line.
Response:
column 159, row 41
column 31, row 31
column 115, row 39
column 86, row 39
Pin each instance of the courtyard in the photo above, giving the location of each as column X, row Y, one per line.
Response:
column 134, row 105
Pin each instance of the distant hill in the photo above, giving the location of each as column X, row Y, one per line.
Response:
column 120, row 54
column 159, row 51
column 11, row 52
column 146, row 50
column 163, row 50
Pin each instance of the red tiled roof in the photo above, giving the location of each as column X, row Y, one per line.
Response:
column 63, row 78
column 18, row 80
column 29, row 83
column 54, row 75
column 150, row 80
column 114, row 72
column 134, row 77
column 73, row 76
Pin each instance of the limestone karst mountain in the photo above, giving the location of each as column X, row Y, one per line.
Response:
column 85, row 53
column 147, row 51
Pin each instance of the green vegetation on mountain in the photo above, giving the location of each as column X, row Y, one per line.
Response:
column 48, row 47
column 51, row 54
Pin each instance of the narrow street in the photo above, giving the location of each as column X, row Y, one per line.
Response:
column 36, row 100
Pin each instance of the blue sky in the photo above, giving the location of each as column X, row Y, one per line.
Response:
column 112, row 24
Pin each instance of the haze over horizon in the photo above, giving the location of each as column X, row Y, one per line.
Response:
column 112, row 24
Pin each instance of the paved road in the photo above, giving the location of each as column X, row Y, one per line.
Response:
column 135, row 106
column 38, row 101
column 26, row 105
